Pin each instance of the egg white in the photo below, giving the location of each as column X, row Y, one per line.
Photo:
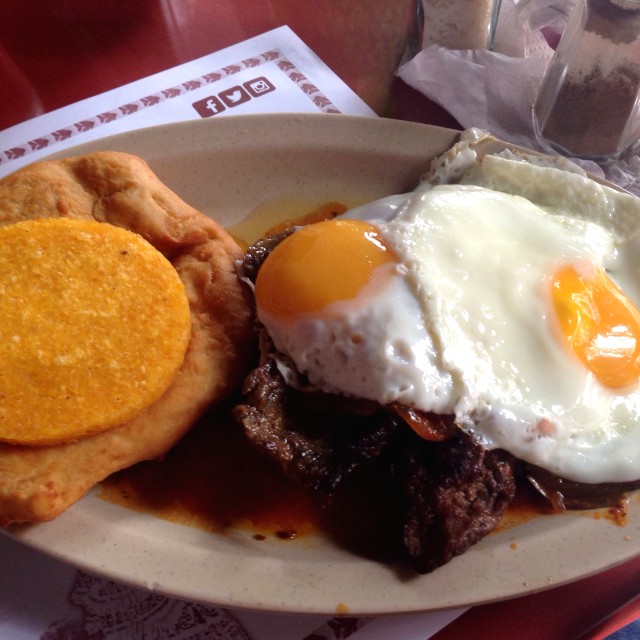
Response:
column 481, row 263
column 465, row 325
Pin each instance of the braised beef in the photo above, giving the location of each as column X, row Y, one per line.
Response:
column 248, row 267
column 310, row 435
column 455, row 493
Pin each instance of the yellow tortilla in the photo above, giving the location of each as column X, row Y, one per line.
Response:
column 94, row 325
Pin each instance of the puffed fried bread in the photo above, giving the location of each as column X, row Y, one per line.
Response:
column 37, row 483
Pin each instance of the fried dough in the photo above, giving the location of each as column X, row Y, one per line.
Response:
column 39, row 483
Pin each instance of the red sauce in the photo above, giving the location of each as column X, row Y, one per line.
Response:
column 526, row 505
column 214, row 480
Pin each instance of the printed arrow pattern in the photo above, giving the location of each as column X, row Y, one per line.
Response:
column 50, row 139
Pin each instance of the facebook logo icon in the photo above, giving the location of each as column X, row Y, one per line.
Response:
column 209, row 106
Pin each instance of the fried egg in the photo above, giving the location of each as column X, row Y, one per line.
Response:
column 516, row 315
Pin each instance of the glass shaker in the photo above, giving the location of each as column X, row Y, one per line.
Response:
column 588, row 105
column 459, row 24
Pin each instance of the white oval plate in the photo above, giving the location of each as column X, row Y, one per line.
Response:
column 226, row 168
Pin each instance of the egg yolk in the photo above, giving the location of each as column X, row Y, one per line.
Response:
column 318, row 265
column 601, row 324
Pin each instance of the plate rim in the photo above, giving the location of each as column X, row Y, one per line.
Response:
column 304, row 124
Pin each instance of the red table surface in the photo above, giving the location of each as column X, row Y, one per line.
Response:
column 55, row 53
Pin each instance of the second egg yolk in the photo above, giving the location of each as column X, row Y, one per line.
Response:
column 601, row 324
column 318, row 265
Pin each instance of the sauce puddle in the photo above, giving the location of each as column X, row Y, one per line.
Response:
column 215, row 481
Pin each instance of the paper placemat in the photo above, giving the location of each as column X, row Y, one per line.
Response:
column 273, row 72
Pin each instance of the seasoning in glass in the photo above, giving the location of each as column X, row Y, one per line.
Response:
column 459, row 24
column 588, row 105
